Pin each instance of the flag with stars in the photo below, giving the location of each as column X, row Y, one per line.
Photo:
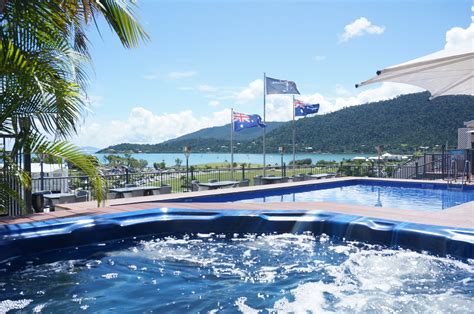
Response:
column 244, row 121
column 303, row 109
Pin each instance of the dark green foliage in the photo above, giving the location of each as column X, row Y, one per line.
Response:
column 301, row 162
column 223, row 133
column 400, row 125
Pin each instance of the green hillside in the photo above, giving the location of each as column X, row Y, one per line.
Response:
column 215, row 139
column 402, row 124
column 223, row 133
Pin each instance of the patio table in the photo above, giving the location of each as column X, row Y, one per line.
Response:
column 219, row 184
column 271, row 180
column 142, row 190
column 59, row 198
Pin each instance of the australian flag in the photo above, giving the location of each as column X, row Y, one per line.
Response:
column 303, row 109
column 275, row 86
column 244, row 121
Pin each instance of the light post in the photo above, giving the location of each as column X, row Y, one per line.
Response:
column 281, row 150
column 187, row 153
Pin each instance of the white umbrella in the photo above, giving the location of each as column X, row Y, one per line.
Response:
column 441, row 73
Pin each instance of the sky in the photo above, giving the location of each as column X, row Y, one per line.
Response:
column 205, row 57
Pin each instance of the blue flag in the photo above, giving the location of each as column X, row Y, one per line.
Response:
column 244, row 121
column 302, row 109
column 275, row 86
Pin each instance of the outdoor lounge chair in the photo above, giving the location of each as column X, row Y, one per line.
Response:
column 195, row 185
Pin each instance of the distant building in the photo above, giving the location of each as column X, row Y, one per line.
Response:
column 466, row 136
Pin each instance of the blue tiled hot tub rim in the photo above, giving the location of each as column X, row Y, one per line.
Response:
column 29, row 238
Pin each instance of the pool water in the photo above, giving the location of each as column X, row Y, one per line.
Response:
column 240, row 273
column 376, row 195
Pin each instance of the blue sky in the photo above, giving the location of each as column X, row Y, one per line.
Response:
column 205, row 57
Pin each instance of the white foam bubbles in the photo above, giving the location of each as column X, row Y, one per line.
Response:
column 9, row 305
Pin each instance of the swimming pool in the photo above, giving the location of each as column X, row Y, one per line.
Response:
column 214, row 273
column 401, row 195
column 180, row 260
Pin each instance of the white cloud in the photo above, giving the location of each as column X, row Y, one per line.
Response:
column 206, row 88
column 342, row 91
column 360, row 27
column 151, row 76
column 319, row 58
column 94, row 101
column 179, row 75
column 186, row 88
column 279, row 106
column 459, row 39
column 251, row 92
column 383, row 92
column 144, row 126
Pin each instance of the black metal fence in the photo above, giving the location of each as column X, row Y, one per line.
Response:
column 180, row 180
column 427, row 167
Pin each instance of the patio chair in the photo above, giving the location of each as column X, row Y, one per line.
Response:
column 257, row 180
column 195, row 185
column 244, row 182
column 165, row 189
column 130, row 185
column 298, row 178
column 82, row 196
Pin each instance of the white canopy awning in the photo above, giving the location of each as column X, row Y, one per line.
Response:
column 441, row 73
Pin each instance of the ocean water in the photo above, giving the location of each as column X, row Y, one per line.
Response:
column 209, row 273
column 200, row 158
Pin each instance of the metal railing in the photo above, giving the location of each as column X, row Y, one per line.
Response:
column 181, row 181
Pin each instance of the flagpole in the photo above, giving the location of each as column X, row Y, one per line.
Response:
column 294, row 134
column 264, row 119
column 232, row 143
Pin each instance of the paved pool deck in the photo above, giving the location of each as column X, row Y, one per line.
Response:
column 461, row 216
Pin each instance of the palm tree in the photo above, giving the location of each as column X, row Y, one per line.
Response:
column 43, row 55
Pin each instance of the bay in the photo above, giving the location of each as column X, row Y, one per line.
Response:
column 205, row 158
